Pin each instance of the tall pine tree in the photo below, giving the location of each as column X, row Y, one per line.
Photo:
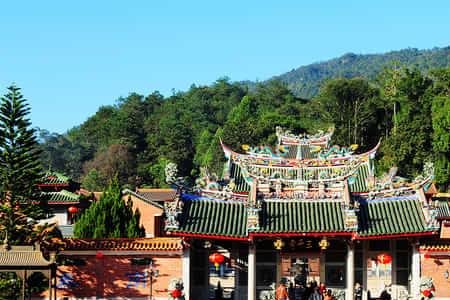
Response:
column 19, row 168
column 111, row 216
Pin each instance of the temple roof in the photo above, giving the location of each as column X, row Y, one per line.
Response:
column 359, row 184
column 391, row 217
column 143, row 198
column 61, row 197
column 54, row 179
column 214, row 217
column 375, row 218
column 240, row 185
column 157, row 195
column 443, row 208
column 302, row 216
column 22, row 256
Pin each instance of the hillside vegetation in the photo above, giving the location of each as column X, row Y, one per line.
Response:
column 306, row 80
column 135, row 138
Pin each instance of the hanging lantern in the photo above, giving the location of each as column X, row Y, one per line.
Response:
column 72, row 209
column 99, row 255
column 176, row 293
column 384, row 259
column 216, row 259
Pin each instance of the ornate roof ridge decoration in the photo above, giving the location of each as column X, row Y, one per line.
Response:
column 124, row 244
column 324, row 160
column 304, row 200
column 194, row 197
column 403, row 189
column 173, row 210
column 311, row 174
column 223, row 195
column 320, row 138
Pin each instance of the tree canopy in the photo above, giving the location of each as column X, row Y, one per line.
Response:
column 405, row 107
column 111, row 216
column 20, row 169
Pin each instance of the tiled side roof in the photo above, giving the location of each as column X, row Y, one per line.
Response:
column 241, row 184
column 61, row 197
column 214, row 217
column 20, row 256
column 53, row 178
column 138, row 244
column 443, row 208
column 157, row 195
column 386, row 217
column 360, row 184
column 292, row 151
column 66, row 230
column 139, row 196
column 302, row 216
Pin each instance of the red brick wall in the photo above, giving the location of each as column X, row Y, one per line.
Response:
column 435, row 268
column 148, row 213
column 110, row 276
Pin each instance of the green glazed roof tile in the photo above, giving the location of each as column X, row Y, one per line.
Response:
column 55, row 178
column 443, row 209
column 390, row 217
column 241, row 184
column 302, row 216
column 212, row 217
column 360, row 184
column 61, row 197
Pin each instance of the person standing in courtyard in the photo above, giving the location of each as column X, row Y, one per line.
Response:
column 281, row 292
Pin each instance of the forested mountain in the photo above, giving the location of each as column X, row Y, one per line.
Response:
column 306, row 80
column 135, row 138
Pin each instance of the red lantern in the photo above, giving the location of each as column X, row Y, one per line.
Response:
column 384, row 259
column 99, row 255
column 176, row 293
column 72, row 209
column 427, row 255
column 216, row 259
column 426, row 293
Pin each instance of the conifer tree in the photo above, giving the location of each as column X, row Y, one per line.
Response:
column 111, row 216
column 19, row 168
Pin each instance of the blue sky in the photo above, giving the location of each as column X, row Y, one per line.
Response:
column 70, row 57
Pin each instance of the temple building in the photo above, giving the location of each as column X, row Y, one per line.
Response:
column 306, row 211
column 63, row 197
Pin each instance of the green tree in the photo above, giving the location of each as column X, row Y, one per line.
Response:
column 19, row 168
column 441, row 126
column 441, row 139
column 111, row 216
column 117, row 160
column 411, row 143
column 353, row 106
